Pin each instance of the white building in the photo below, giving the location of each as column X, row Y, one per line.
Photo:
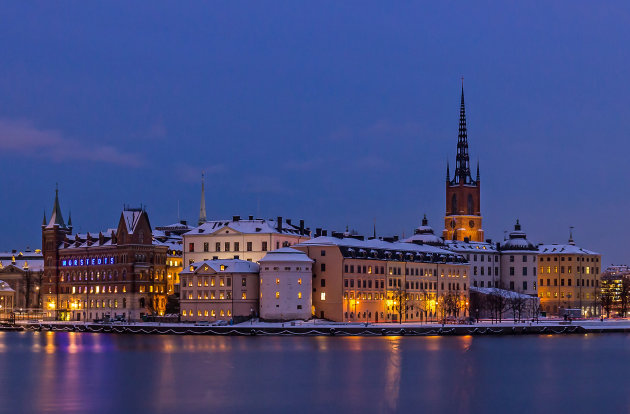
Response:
column 241, row 239
column 484, row 259
column 518, row 262
column 286, row 285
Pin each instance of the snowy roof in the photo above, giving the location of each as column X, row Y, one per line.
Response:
column 229, row 266
column 517, row 240
column 4, row 287
column 56, row 219
column 425, row 238
column 469, row 247
column 131, row 219
column 562, row 249
column 508, row 294
column 286, row 254
column 383, row 249
column 254, row 226
column 33, row 261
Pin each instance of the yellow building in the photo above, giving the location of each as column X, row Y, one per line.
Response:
column 378, row 281
column 568, row 278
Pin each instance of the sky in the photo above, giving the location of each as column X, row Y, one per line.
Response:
column 338, row 113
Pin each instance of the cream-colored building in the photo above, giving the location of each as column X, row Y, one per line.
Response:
column 7, row 298
column 285, row 285
column 519, row 263
column 242, row 239
column 568, row 278
column 364, row 280
column 215, row 290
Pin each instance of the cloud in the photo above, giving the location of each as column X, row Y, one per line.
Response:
column 24, row 138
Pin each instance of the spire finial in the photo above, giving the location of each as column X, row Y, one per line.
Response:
column 425, row 222
column 448, row 172
column 462, row 169
column 44, row 220
column 517, row 226
column 69, row 218
column 374, row 234
column 477, row 170
column 202, row 207
column 571, row 235
column 56, row 219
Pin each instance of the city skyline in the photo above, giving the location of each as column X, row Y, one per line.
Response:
column 333, row 132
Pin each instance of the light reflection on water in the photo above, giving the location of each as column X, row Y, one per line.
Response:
column 74, row 372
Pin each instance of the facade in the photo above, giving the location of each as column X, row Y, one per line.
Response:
column 462, row 220
column 7, row 298
column 519, row 263
column 23, row 272
column 172, row 237
column 214, row 290
column 424, row 234
column 484, row 261
column 248, row 240
column 568, row 278
column 615, row 290
column 88, row 276
column 285, row 285
column 378, row 281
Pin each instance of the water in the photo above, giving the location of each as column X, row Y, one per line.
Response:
column 74, row 372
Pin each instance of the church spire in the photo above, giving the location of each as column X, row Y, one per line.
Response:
column 44, row 220
column 202, row 207
column 477, row 179
column 462, row 170
column 448, row 172
column 56, row 219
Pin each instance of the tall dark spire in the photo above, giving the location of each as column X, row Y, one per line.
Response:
column 448, row 172
column 56, row 219
column 462, row 169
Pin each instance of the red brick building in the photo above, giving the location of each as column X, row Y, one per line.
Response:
column 90, row 276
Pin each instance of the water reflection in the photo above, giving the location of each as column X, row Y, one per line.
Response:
column 72, row 372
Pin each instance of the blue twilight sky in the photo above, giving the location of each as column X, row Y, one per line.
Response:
column 340, row 113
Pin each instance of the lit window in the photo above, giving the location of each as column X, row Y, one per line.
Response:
column 192, row 268
column 277, row 295
column 299, row 295
column 299, row 281
column 222, row 268
column 184, row 312
column 212, row 282
column 213, row 313
column 243, row 295
column 277, row 281
column 221, row 282
column 205, row 313
column 222, row 312
column 323, row 296
column 199, row 313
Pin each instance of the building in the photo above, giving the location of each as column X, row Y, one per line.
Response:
column 615, row 290
column 23, row 272
column 519, row 262
column 484, row 260
column 214, row 290
column 285, row 285
column 424, row 234
column 242, row 239
column 172, row 237
column 89, row 276
column 7, row 299
column 462, row 220
column 568, row 278
column 379, row 281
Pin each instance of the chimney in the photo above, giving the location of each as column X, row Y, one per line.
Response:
column 288, row 221
column 279, row 224
column 489, row 241
column 251, row 217
column 318, row 232
column 301, row 226
column 184, row 222
column 236, row 218
column 325, row 233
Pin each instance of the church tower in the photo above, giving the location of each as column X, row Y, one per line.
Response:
column 463, row 203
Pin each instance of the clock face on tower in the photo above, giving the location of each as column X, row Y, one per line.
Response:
column 471, row 224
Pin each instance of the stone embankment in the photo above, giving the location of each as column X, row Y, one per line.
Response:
column 306, row 329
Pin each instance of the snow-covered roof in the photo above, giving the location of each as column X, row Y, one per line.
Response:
column 423, row 251
column 223, row 266
column 469, row 247
column 517, row 241
column 425, row 234
column 508, row 294
column 563, row 249
column 33, row 261
column 4, row 287
column 131, row 219
column 286, row 254
column 255, row 226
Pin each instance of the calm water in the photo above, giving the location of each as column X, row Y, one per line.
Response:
column 73, row 372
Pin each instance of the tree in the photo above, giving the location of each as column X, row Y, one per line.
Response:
column 516, row 303
column 534, row 308
column 497, row 304
column 606, row 299
column 401, row 302
column 624, row 295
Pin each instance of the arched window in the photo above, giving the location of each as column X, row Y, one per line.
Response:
column 454, row 204
column 470, row 205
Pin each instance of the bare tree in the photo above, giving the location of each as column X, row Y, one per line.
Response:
column 516, row 303
column 497, row 304
column 401, row 302
column 607, row 299
column 534, row 309
column 624, row 295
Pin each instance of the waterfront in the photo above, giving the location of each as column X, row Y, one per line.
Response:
column 79, row 372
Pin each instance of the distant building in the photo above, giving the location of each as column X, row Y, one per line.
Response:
column 285, row 285
column 519, row 262
column 484, row 260
column 7, row 298
column 172, row 237
column 424, row 234
column 23, row 272
column 87, row 276
column 463, row 193
column 379, row 281
column 223, row 289
column 244, row 239
column 615, row 290
column 568, row 278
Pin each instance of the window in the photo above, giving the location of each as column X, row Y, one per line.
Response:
column 264, row 246
column 512, row 270
column 323, row 253
column 323, row 267
column 524, row 271
column 243, row 295
column 323, row 296
column 277, row 281
column 191, row 247
column 277, row 295
column 206, row 246
column 249, row 246
column 236, row 246
column 227, row 246
column 524, row 286
column 511, row 258
column 299, row 295
column 217, row 247
column 243, row 281
column 299, row 281
column 323, row 282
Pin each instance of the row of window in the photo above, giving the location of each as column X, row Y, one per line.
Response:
column 210, row 295
column 588, row 270
column 579, row 259
column 584, row 282
column 227, row 281
column 235, row 246
column 562, row 295
column 213, row 313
